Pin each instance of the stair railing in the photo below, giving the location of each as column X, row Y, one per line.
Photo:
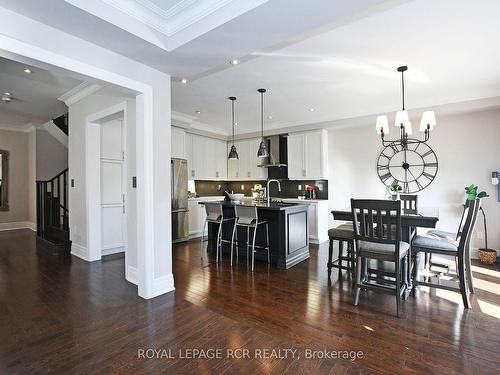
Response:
column 52, row 203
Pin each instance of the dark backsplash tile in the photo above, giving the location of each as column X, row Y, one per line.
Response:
column 289, row 188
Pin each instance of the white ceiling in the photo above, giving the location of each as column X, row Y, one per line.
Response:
column 34, row 96
column 338, row 57
column 350, row 71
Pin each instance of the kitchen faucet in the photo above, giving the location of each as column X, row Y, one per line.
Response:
column 269, row 192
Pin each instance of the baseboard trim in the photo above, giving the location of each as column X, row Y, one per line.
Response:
column 159, row 286
column 113, row 250
column 80, row 251
column 18, row 225
column 131, row 275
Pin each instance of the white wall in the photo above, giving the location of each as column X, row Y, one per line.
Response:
column 32, row 177
column 32, row 42
column 16, row 143
column 51, row 156
column 468, row 150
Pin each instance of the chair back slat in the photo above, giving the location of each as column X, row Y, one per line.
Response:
column 382, row 213
column 214, row 211
column 409, row 204
column 469, row 220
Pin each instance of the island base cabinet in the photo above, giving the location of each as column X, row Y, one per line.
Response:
column 288, row 237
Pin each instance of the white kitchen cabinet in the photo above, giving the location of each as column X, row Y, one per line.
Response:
column 308, row 155
column 195, row 220
column 207, row 159
column 178, row 141
column 246, row 168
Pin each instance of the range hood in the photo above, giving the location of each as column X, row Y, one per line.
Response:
column 277, row 146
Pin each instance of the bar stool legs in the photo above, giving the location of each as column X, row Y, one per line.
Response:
column 253, row 246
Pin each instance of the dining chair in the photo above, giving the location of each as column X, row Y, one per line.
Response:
column 370, row 217
column 458, row 248
column 409, row 204
column 342, row 233
column 215, row 215
column 248, row 217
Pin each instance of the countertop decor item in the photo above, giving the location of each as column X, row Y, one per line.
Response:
column 427, row 123
column 233, row 154
column 486, row 255
column 395, row 189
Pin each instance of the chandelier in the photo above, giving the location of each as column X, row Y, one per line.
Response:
column 402, row 121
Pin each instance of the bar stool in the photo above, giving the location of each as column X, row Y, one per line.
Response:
column 247, row 216
column 342, row 233
column 215, row 215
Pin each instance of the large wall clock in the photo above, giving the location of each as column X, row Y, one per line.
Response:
column 413, row 167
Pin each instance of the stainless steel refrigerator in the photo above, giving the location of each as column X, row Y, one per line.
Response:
column 180, row 212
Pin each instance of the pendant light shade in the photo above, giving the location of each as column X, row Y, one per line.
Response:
column 233, row 154
column 428, row 121
column 382, row 124
column 263, row 152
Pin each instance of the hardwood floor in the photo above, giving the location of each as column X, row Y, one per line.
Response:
column 60, row 314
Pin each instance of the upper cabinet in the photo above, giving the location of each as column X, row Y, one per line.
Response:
column 308, row 155
column 247, row 166
column 178, row 143
column 207, row 159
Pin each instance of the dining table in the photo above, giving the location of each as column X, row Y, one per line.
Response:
column 425, row 217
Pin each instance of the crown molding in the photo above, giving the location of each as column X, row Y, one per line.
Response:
column 26, row 128
column 78, row 93
column 55, row 132
column 189, row 122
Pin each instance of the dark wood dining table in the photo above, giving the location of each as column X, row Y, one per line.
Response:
column 426, row 217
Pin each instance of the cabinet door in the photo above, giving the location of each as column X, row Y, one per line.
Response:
column 313, row 220
column 314, row 155
column 220, row 154
column 197, row 158
column 194, row 218
column 296, row 167
column 256, row 172
column 178, row 138
column 243, row 148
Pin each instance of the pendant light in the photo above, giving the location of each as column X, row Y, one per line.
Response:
column 233, row 154
column 262, row 153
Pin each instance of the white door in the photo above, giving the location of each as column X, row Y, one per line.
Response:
column 113, row 218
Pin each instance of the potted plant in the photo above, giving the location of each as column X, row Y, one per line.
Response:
column 486, row 255
column 395, row 189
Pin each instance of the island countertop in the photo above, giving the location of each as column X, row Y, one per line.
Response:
column 276, row 206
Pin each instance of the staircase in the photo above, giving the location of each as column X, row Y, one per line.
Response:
column 52, row 213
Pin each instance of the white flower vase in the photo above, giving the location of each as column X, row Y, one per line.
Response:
column 395, row 196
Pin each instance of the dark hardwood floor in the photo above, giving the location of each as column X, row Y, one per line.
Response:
column 62, row 315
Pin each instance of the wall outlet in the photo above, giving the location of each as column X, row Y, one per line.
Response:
column 480, row 235
column 299, row 187
column 242, row 187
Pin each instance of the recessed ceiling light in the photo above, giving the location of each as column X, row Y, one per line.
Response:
column 184, row 80
column 28, row 70
column 311, row 109
column 7, row 93
column 198, row 112
column 235, row 124
column 270, row 117
column 235, row 62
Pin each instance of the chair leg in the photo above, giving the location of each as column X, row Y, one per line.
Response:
column 397, row 265
column 248, row 241
column 268, row 248
column 253, row 247
column 330, row 256
column 232, row 242
column 341, row 254
column 237, row 245
column 358, row 280
column 468, row 269
column 219, row 234
column 461, row 280
column 353, row 257
column 405, row 274
column 202, row 238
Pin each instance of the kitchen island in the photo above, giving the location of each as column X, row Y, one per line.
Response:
column 288, row 232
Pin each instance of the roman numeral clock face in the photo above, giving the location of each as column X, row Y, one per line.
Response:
column 414, row 168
